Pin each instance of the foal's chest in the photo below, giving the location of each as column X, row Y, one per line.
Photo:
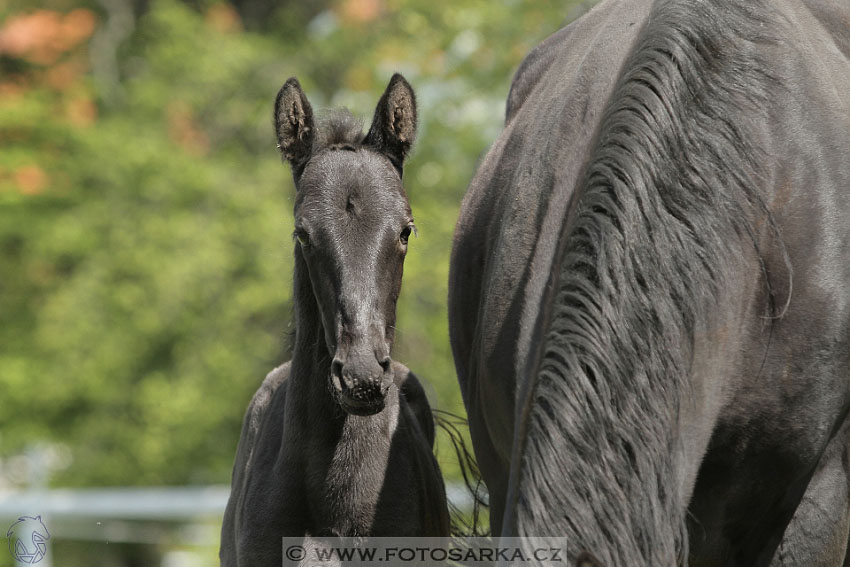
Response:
column 348, row 485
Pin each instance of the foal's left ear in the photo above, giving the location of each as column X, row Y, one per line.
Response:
column 293, row 124
column 394, row 126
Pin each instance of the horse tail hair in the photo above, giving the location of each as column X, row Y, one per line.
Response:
column 464, row 522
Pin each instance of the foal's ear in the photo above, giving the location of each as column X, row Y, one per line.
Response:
column 293, row 124
column 394, row 126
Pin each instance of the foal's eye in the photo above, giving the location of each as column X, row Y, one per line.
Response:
column 302, row 238
column 405, row 234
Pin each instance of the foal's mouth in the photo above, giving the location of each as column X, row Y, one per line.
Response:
column 349, row 401
column 359, row 408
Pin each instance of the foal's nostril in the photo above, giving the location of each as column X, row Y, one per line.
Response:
column 336, row 373
column 387, row 379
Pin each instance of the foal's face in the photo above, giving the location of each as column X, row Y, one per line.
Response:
column 352, row 223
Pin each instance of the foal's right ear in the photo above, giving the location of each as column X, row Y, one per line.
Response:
column 293, row 124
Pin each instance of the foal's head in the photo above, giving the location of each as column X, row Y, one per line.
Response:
column 352, row 222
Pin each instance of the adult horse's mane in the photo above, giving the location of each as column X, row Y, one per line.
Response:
column 670, row 198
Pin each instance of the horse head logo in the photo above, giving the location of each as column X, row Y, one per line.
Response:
column 28, row 539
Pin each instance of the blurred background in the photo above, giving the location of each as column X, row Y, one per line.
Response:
column 145, row 236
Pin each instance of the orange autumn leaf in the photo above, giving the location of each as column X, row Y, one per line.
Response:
column 184, row 132
column 30, row 179
column 77, row 27
column 81, row 112
column 223, row 17
column 361, row 11
column 43, row 36
column 62, row 75
column 12, row 89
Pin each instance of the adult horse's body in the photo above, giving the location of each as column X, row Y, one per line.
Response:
column 650, row 287
column 338, row 441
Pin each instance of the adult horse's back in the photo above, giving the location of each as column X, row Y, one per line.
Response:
column 650, row 286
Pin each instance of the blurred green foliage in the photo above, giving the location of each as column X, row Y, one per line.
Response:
column 145, row 217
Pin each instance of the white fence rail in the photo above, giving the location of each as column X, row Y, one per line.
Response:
column 166, row 503
column 186, row 515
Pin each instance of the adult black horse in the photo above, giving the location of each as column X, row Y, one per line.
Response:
column 650, row 287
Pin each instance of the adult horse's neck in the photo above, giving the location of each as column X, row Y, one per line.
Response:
column 652, row 276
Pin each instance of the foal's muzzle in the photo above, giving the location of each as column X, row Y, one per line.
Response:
column 361, row 382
